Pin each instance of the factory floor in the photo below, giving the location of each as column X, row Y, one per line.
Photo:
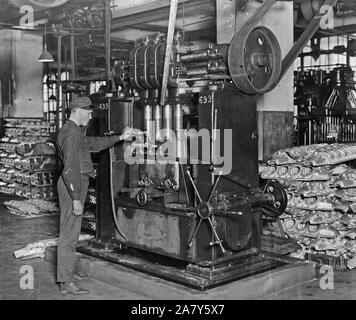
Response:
column 17, row 232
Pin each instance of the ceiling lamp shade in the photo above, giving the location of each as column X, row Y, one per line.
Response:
column 45, row 55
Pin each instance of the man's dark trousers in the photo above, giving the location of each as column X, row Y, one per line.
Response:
column 70, row 227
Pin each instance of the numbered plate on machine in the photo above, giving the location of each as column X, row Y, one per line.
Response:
column 206, row 99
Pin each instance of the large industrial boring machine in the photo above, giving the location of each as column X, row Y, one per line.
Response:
column 184, row 193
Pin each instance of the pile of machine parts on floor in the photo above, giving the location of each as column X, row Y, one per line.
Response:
column 321, row 189
column 32, row 208
column 37, row 249
column 27, row 159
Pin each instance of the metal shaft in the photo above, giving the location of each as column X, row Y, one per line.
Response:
column 216, row 236
column 178, row 127
column 168, row 120
column 107, row 40
column 195, row 233
column 148, row 122
column 212, row 53
column 158, row 121
column 197, row 56
column 59, row 82
column 194, row 186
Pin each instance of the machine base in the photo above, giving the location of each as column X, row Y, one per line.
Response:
column 193, row 276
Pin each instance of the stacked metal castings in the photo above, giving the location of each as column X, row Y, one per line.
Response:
column 321, row 189
column 27, row 159
column 32, row 208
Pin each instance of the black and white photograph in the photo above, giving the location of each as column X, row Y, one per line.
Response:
column 176, row 155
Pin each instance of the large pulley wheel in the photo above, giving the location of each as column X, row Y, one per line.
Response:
column 310, row 8
column 255, row 60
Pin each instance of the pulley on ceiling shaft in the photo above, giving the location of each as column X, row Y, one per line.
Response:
column 310, row 8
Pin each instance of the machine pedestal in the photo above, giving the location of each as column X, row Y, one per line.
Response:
column 193, row 276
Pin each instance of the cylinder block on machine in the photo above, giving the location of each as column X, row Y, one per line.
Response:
column 155, row 57
column 138, row 71
column 146, row 67
column 133, row 69
column 255, row 60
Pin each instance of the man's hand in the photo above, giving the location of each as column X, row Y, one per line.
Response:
column 129, row 132
column 77, row 208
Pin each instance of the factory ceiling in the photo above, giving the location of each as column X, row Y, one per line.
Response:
column 136, row 18
column 88, row 16
column 132, row 20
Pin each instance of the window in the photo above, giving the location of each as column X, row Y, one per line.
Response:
column 95, row 86
column 50, row 101
column 326, row 61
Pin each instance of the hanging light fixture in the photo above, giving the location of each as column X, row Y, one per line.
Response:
column 45, row 55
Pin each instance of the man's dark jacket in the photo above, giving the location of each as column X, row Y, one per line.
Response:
column 74, row 150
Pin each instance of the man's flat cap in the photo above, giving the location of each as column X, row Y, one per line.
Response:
column 81, row 103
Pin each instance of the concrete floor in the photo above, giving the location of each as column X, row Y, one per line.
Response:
column 16, row 233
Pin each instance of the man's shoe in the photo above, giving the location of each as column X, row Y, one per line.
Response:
column 72, row 288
